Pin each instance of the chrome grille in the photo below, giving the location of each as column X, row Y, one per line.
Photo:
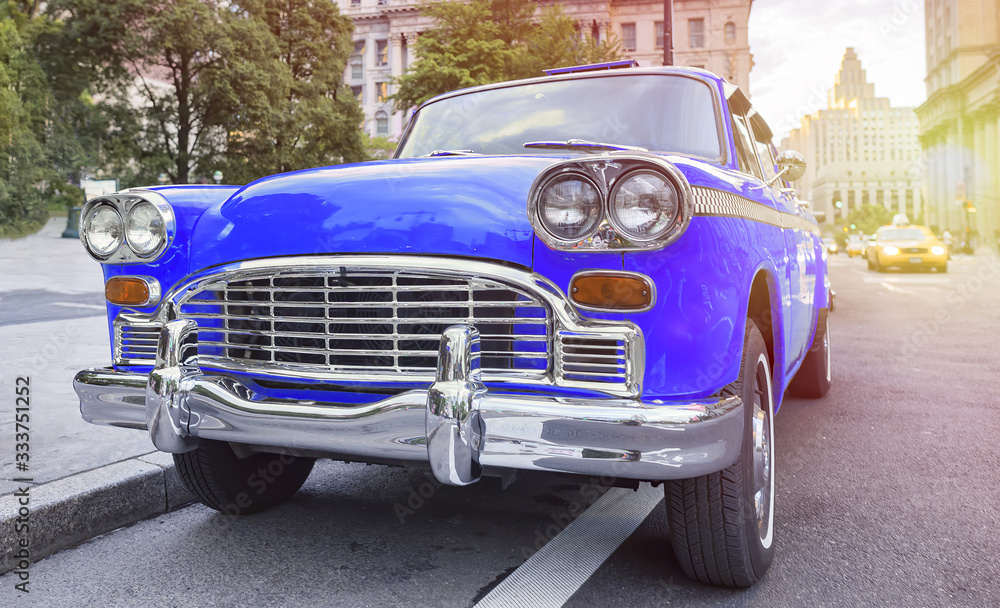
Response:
column 364, row 321
column 592, row 359
column 135, row 343
column 914, row 250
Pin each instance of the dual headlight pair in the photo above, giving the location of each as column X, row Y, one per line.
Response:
column 614, row 202
column 129, row 227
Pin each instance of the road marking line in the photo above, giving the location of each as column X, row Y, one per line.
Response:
column 75, row 305
column 892, row 287
column 553, row 574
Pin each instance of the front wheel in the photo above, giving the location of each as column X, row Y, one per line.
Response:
column 722, row 524
column 240, row 486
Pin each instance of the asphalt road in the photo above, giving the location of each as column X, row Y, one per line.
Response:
column 887, row 496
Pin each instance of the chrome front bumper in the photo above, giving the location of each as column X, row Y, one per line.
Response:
column 456, row 426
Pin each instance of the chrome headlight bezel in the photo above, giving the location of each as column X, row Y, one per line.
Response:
column 606, row 171
column 86, row 230
column 614, row 210
column 124, row 203
column 564, row 176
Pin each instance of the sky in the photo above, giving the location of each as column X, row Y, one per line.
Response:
column 798, row 46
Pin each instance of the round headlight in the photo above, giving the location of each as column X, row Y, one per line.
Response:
column 937, row 250
column 146, row 230
column 890, row 250
column 644, row 206
column 104, row 231
column 570, row 207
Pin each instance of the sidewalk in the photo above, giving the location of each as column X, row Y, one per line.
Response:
column 85, row 479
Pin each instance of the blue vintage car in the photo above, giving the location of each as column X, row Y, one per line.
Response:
column 599, row 272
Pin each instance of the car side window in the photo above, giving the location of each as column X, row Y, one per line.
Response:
column 767, row 161
column 741, row 150
column 744, row 143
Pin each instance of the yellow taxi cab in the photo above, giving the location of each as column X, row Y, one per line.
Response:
column 906, row 246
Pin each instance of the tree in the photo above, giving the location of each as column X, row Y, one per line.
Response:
column 189, row 86
column 487, row 41
column 301, row 114
column 23, row 99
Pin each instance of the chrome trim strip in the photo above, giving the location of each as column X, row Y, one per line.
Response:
column 622, row 438
column 564, row 319
column 711, row 202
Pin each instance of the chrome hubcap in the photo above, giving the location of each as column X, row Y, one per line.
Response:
column 763, row 467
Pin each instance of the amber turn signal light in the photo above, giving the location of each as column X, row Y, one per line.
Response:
column 612, row 291
column 128, row 291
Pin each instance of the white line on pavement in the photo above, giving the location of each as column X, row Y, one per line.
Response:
column 75, row 305
column 553, row 574
column 892, row 287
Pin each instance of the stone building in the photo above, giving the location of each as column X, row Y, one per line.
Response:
column 707, row 33
column 859, row 150
column 960, row 121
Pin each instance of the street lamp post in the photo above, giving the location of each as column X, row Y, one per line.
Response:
column 668, row 32
column 217, row 176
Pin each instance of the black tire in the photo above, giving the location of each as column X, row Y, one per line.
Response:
column 870, row 265
column 240, row 486
column 943, row 267
column 719, row 534
column 814, row 378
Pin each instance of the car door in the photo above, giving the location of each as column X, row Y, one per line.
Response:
column 794, row 261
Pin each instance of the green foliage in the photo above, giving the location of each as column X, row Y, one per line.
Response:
column 379, row 147
column 283, row 102
column 185, row 87
column 23, row 98
column 485, row 41
column 867, row 218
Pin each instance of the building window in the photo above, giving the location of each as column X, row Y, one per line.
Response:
column 355, row 2
column 696, row 33
column 730, row 33
column 383, row 2
column 357, row 60
column 359, row 93
column 383, row 92
column 381, row 123
column 628, row 36
column 382, row 53
column 659, row 34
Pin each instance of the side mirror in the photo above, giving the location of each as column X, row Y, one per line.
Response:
column 792, row 165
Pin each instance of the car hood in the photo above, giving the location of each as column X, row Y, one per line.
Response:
column 462, row 206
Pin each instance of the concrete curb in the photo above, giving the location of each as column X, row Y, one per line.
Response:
column 74, row 509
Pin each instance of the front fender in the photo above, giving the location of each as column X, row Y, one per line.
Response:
column 694, row 332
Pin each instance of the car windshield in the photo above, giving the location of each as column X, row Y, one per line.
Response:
column 662, row 113
column 903, row 234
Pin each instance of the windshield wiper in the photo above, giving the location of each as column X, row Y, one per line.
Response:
column 580, row 144
column 453, row 153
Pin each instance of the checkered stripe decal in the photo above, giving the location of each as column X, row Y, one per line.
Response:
column 717, row 203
